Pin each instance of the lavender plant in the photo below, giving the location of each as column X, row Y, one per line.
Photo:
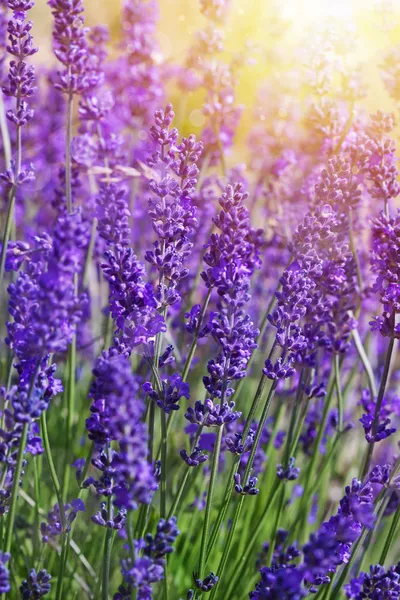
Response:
column 199, row 368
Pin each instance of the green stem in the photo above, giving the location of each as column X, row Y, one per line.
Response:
column 252, row 540
column 196, row 337
column 392, row 532
column 89, row 253
column 15, row 487
column 281, row 506
column 163, row 483
column 338, row 391
column 152, row 412
column 108, row 540
column 63, row 562
column 71, row 390
column 228, row 544
column 5, row 135
column 210, row 495
column 7, row 231
column 263, row 327
column 223, row 509
column 50, row 462
column 300, row 522
column 248, row 469
column 366, row 363
column 378, row 405
column 178, row 495
column 36, row 474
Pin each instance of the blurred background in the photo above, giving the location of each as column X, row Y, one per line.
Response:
column 280, row 41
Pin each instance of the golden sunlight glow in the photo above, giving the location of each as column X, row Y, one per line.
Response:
column 309, row 11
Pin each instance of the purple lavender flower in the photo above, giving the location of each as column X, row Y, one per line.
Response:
column 232, row 256
column 116, row 416
column 21, row 76
column 384, row 261
column 247, row 489
column 207, row 584
column 173, row 389
column 71, row 47
column 53, row 527
column 195, row 458
column 290, row 473
column 148, row 566
column 171, row 209
column 104, row 519
column 378, row 584
column 382, row 429
column 283, row 553
column 330, row 546
column 5, row 586
column 283, row 583
column 36, row 586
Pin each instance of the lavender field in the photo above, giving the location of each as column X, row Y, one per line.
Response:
column 200, row 300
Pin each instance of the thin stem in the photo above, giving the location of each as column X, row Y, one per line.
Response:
column 281, row 506
column 175, row 504
column 63, row 562
column 263, row 327
column 107, row 557
column 7, row 231
column 366, row 363
column 152, row 411
column 89, row 253
column 163, row 483
column 50, row 462
column 228, row 543
column 70, row 410
column 210, row 495
column 378, row 405
column 252, row 540
column 5, row 135
column 392, row 532
column 196, row 337
column 310, row 472
column 248, row 469
column 15, row 487
column 338, row 391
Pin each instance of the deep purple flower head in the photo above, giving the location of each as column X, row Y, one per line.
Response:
column 207, row 584
column 246, row 489
column 71, row 47
column 21, row 76
column 36, row 586
column 171, row 207
column 195, row 458
column 290, row 473
column 337, row 186
column 280, row 583
column 117, row 417
column 283, row 553
column 212, row 415
column 382, row 430
column 385, row 263
column 5, row 586
column 148, row 566
column 378, row 584
column 173, row 389
column 104, row 519
column 53, row 527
